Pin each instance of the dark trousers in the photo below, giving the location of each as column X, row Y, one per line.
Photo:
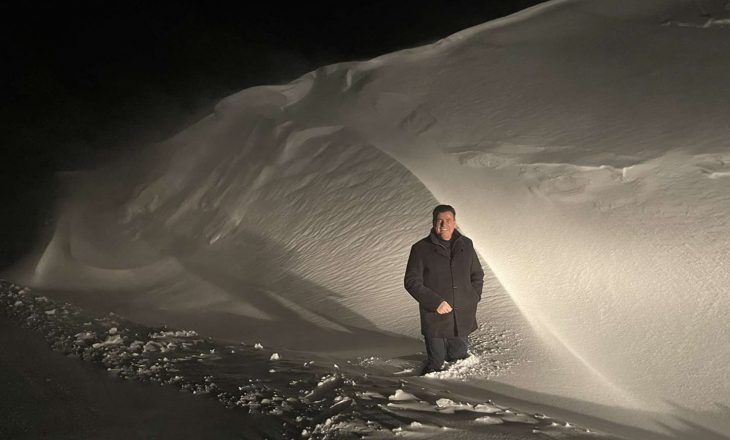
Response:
column 444, row 349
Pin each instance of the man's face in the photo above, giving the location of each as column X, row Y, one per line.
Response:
column 444, row 225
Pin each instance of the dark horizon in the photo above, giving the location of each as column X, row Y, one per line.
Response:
column 86, row 82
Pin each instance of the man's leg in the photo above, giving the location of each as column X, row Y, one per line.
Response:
column 436, row 351
column 456, row 348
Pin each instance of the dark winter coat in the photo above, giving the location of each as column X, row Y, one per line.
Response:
column 435, row 274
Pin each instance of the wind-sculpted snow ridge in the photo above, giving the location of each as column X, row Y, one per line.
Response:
column 706, row 15
column 582, row 142
column 274, row 218
column 585, row 154
column 290, row 397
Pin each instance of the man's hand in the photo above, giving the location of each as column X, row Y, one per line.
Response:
column 443, row 308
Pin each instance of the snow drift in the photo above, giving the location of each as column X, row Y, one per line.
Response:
column 582, row 142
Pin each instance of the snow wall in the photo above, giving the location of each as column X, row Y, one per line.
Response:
column 583, row 144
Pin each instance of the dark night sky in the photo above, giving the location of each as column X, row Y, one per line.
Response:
column 85, row 81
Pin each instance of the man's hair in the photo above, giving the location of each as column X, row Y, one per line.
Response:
column 443, row 208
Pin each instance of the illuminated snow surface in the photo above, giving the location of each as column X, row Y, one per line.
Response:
column 584, row 146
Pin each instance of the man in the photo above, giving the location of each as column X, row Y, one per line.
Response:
column 445, row 277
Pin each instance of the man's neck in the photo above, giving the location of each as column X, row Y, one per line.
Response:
column 446, row 243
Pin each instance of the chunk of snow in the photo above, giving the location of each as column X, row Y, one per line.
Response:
column 111, row 340
column 448, row 406
column 489, row 420
column 402, row 395
column 486, row 408
column 412, row 406
column 519, row 418
column 152, row 346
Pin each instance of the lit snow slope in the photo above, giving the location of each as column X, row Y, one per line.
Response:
column 584, row 144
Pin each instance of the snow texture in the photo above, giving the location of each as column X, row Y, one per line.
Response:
column 303, row 400
column 583, row 144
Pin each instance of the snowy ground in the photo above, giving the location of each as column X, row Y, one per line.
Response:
column 282, row 394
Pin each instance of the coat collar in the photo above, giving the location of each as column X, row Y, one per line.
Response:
column 440, row 248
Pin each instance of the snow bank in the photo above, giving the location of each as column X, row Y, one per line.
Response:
column 583, row 144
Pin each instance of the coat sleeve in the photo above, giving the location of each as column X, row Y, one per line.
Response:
column 477, row 273
column 413, row 281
